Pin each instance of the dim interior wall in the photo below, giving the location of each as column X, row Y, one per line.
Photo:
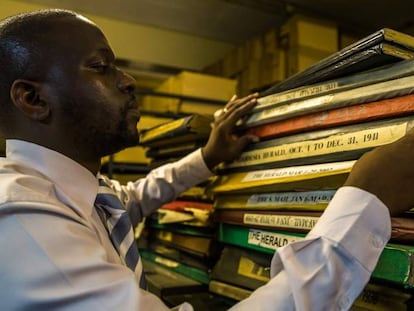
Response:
column 143, row 43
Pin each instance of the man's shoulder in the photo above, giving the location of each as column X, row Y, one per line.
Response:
column 21, row 183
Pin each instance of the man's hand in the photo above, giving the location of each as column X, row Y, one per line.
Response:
column 388, row 173
column 223, row 145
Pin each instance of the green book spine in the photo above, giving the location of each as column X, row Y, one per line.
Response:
column 394, row 265
column 191, row 272
column 261, row 240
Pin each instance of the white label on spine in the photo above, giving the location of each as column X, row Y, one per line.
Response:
column 297, row 171
column 270, row 240
column 301, row 93
column 286, row 198
column 282, row 221
column 342, row 142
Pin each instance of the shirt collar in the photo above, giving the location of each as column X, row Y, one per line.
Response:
column 74, row 183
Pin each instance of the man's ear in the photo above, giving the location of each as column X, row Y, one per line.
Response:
column 25, row 95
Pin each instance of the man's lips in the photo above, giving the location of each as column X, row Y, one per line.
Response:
column 134, row 112
column 133, row 108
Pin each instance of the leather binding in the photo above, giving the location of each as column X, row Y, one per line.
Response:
column 362, row 55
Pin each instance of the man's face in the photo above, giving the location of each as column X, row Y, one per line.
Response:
column 93, row 101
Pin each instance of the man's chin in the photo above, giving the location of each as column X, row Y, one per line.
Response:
column 120, row 145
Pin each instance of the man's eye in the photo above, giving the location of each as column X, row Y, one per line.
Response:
column 101, row 67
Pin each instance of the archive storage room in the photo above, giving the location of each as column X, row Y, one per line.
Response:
column 206, row 155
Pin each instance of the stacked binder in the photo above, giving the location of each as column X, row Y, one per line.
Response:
column 313, row 127
column 172, row 140
column 180, row 237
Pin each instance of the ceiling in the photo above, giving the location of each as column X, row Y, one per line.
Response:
column 238, row 20
column 235, row 21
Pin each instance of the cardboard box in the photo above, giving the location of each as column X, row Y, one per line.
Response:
column 199, row 85
column 271, row 41
column 242, row 87
column 215, row 69
column 158, row 104
column 273, row 68
column 230, row 64
column 233, row 63
column 241, row 59
column 194, row 85
column 252, row 76
column 255, row 48
column 307, row 40
column 302, row 57
column 176, row 106
column 190, row 107
column 310, row 32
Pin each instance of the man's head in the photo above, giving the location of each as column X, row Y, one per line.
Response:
column 59, row 86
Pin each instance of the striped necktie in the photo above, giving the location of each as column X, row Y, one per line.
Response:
column 120, row 229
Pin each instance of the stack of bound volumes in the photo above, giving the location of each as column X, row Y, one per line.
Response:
column 313, row 127
column 383, row 47
column 170, row 141
column 180, row 238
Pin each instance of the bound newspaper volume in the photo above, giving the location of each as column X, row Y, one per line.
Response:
column 362, row 55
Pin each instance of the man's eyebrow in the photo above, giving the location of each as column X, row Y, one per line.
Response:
column 106, row 50
column 102, row 52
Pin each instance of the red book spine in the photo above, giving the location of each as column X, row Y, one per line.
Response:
column 180, row 205
column 394, row 107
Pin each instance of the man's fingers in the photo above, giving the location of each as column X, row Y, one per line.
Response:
column 234, row 102
column 238, row 144
column 236, row 112
column 235, row 109
column 232, row 99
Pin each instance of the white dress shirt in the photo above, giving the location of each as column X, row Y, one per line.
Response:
column 55, row 253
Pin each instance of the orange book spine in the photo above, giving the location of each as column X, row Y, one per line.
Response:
column 394, row 107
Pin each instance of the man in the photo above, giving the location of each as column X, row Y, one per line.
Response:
column 64, row 105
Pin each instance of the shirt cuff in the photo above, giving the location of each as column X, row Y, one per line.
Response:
column 191, row 170
column 359, row 222
column 196, row 158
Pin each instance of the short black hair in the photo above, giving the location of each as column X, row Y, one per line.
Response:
column 21, row 47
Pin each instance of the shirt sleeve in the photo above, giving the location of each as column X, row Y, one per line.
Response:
column 162, row 185
column 330, row 267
